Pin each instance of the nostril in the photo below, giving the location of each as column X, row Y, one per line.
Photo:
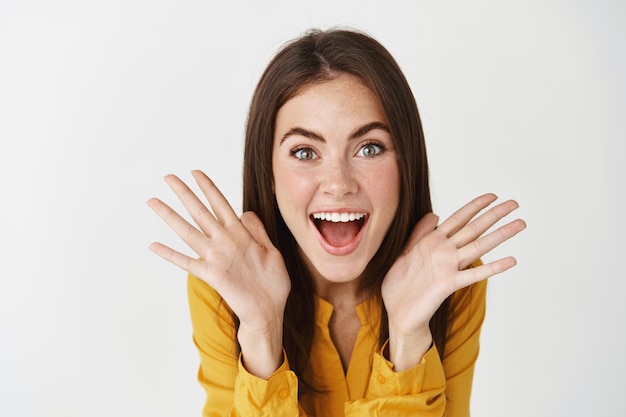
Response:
column 340, row 182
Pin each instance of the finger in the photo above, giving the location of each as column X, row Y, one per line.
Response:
column 195, row 239
column 222, row 209
column 198, row 211
column 256, row 228
column 425, row 225
column 184, row 262
column 485, row 244
column 480, row 225
column 473, row 275
column 462, row 216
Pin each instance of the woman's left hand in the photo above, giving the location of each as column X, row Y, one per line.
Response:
column 435, row 264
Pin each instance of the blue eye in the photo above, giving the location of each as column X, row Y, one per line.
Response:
column 304, row 154
column 370, row 150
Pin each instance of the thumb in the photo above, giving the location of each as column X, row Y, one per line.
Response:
column 255, row 227
column 425, row 225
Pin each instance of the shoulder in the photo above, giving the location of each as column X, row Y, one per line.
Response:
column 467, row 313
column 472, row 295
column 205, row 304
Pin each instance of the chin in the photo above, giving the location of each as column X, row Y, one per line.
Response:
column 339, row 270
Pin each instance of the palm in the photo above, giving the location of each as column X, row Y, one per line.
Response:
column 434, row 263
column 251, row 278
column 236, row 257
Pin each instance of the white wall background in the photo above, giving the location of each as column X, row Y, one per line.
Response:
column 100, row 99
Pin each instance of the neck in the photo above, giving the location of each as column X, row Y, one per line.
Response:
column 342, row 295
column 339, row 294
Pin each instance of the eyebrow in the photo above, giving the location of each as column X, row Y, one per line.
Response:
column 363, row 130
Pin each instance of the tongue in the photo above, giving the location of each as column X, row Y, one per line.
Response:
column 339, row 234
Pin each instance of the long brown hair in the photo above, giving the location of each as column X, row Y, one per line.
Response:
column 316, row 57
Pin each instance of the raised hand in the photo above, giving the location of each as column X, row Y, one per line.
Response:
column 434, row 265
column 237, row 259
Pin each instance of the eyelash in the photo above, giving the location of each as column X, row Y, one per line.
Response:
column 299, row 149
column 380, row 146
column 380, row 149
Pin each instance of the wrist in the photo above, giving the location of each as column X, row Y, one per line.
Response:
column 262, row 352
column 406, row 350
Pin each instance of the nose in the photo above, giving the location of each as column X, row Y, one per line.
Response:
column 339, row 179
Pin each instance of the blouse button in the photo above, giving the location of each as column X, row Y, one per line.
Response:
column 284, row 393
column 381, row 379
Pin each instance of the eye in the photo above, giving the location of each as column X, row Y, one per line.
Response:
column 370, row 150
column 304, row 154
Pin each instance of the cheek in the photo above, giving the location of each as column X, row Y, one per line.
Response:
column 292, row 189
column 384, row 184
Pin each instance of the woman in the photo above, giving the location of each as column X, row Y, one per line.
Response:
column 336, row 292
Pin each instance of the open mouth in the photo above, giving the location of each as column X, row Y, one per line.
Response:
column 339, row 229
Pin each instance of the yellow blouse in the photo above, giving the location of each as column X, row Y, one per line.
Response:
column 370, row 387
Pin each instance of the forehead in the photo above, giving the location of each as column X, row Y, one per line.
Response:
column 344, row 96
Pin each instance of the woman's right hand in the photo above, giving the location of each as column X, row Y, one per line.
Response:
column 238, row 260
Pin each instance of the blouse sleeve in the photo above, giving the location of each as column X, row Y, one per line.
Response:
column 230, row 389
column 434, row 388
column 462, row 347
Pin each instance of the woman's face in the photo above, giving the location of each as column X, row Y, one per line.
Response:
column 336, row 176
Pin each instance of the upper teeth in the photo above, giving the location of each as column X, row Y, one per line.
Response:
column 338, row 217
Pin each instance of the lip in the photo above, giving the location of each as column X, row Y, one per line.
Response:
column 352, row 245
